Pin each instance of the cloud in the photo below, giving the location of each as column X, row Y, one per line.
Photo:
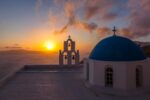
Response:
column 126, row 32
column 103, row 31
column 62, row 30
column 15, row 46
column 91, row 11
column 90, row 27
column 100, row 8
column 110, row 16
column 52, row 18
column 69, row 12
column 139, row 17
column 69, row 9
column 91, row 8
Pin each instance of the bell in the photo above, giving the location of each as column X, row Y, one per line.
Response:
column 73, row 57
column 65, row 56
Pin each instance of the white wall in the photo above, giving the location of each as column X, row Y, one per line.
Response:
column 124, row 73
column 85, row 61
column 131, row 67
column 119, row 73
column 91, row 72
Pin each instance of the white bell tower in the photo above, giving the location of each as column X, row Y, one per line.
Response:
column 69, row 55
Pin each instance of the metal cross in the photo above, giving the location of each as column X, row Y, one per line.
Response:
column 69, row 37
column 114, row 30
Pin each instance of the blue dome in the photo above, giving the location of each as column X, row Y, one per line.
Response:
column 117, row 48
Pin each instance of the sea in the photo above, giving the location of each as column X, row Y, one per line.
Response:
column 13, row 61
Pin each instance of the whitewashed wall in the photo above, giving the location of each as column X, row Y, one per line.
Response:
column 123, row 73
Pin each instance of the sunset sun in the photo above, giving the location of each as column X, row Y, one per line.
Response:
column 49, row 45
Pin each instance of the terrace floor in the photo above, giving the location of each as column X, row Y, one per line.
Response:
column 45, row 85
column 54, row 85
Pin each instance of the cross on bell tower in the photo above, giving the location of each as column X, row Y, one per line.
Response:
column 69, row 55
column 69, row 37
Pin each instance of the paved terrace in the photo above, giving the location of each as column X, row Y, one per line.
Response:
column 55, row 84
column 45, row 85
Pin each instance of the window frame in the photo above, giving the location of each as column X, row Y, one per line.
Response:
column 109, row 76
column 138, row 76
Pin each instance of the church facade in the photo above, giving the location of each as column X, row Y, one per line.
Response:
column 117, row 63
column 69, row 55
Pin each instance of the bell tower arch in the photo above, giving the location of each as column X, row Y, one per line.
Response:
column 69, row 55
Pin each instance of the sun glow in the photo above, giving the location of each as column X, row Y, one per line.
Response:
column 49, row 45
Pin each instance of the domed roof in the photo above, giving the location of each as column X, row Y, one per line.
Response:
column 117, row 48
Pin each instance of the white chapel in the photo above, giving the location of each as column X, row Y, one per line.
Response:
column 117, row 63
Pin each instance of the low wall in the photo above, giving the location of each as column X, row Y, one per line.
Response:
column 4, row 79
column 52, row 67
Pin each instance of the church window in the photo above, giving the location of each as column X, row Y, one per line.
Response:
column 73, row 57
column 69, row 45
column 138, row 74
column 65, row 58
column 109, row 77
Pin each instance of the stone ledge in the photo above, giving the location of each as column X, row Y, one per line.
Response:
column 52, row 67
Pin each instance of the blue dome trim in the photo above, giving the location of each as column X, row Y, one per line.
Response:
column 117, row 48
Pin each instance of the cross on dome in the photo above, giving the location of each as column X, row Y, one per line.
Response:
column 114, row 30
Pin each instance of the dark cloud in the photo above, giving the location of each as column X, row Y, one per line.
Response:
column 14, row 46
column 139, row 20
column 62, row 30
column 110, row 16
column 138, row 16
column 125, row 32
column 69, row 9
column 91, row 11
column 69, row 12
column 102, row 31
column 90, row 27
column 99, row 8
column 91, row 8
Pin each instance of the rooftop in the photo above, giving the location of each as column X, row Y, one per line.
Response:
column 117, row 48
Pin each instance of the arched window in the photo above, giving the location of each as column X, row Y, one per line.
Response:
column 109, row 77
column 73, row 57
column 65, row 57
column 138, row 74
column 69, row 45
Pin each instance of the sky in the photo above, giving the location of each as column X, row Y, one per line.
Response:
column 29, row 24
